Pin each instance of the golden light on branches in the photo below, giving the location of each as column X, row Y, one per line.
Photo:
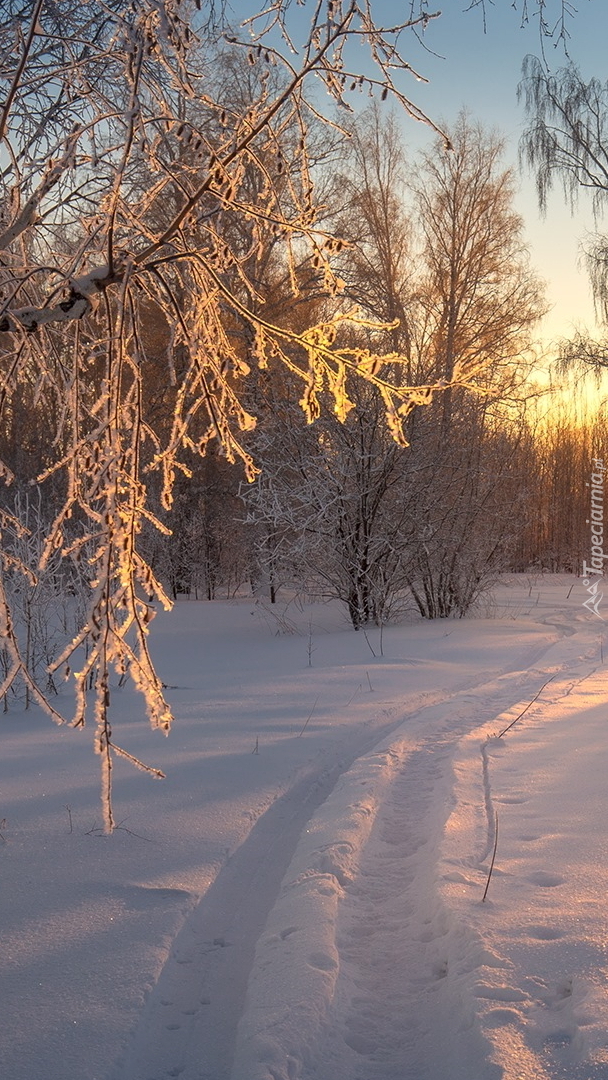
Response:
column 148, row 158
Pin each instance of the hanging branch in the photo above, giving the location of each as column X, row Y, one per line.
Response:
column 147, row 171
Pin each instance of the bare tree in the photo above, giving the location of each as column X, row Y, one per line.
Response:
column 332, row 509
column 349, row 515
column 371, row 211
column 567, row 135
column 481, row 297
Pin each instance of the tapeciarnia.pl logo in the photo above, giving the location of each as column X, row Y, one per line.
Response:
column 595, row 569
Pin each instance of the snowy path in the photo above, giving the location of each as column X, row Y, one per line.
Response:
column 385, row 1018
column 189, row 1026
column 386, row 939
column 389, row 1010
column 542, row 1001
column 383, row 948
column 312, row 911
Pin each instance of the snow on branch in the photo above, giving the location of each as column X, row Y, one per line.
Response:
column 163, row 247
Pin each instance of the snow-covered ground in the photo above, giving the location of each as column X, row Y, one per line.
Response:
column 302, row 897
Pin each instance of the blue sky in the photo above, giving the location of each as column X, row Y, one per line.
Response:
column 475, row 64
column 480, row 71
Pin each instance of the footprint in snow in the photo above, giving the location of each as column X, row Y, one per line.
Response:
column 360, row 1043
column 545, row 933
column 456, row 878
column 289, row 930
column 497, row 1018
column 561, row 1037
column 322, row 961
column 440, row 969
column 545, row 880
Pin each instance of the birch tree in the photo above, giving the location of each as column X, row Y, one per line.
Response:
column 566, row 144
column 347, row 515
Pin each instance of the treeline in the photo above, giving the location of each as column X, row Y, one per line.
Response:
column 494, row 479
column 431, row 265
column 340, row 511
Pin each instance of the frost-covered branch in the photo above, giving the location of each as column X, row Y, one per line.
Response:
column 163, row 242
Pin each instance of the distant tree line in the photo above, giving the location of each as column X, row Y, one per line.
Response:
column 494, row 478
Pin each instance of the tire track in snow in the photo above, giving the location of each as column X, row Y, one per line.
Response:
column 391, row 1018
column 189, row 1022
column 333, row 1039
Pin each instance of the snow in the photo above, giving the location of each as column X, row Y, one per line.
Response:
column 302, row 897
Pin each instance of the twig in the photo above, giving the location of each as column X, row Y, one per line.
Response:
column 3, row 824
column 370, row 682
column 369, row 643
column 257, row 745
column 98, row 830
column 354, row 695
column 157, row 773
column 70, row 818
column 535, row 698
column 485, row 892
column 311, row 647
column 139, row 836
column 308, row 718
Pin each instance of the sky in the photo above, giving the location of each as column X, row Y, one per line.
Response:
column 473, row 60
column 479, row 69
